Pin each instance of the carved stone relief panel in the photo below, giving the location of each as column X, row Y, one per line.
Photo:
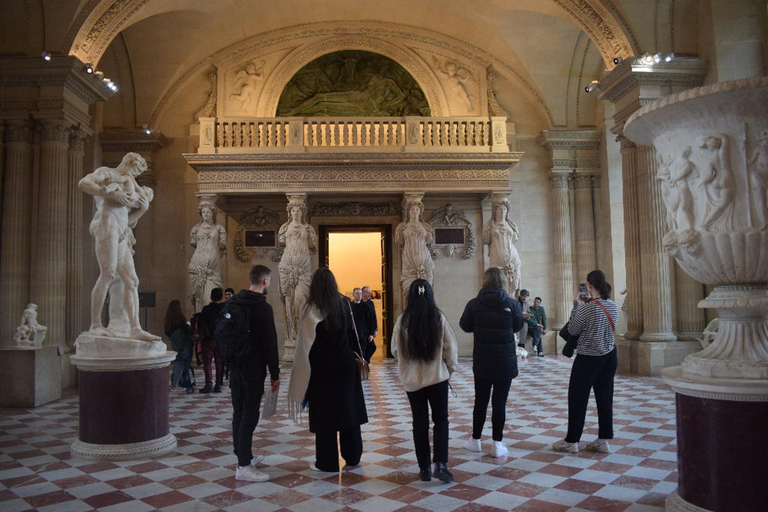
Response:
column 253, row 225
column 446, row 222
column 353, row 209
column 243, row 86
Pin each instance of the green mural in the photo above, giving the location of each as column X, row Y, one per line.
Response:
column 352, row 83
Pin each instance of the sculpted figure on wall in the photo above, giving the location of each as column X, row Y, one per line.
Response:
column 676, row 189
column 718, row 184
column 458, row 78
column 299, row 241
column 500, row 235
column 30, row 334
column 120, row 203
column 210, row 242
column 245, row 83
column 414, row 235
column 758, row 169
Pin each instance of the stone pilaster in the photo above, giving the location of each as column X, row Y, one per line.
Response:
column 691, row 320
column 655, row 265
column 584, row 225
column 76, row 308
column 561, row 249
column 14, row 252
column 633, row 304
column 145, row 236
column 49, row 277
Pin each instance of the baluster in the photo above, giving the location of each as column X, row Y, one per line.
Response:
column 219, row 135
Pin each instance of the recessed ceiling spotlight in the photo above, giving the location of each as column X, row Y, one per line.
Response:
column 617, row 60
column 658, row 58
column 46, row 56
column 146, row 129
column 89, row 69
column 669, row 57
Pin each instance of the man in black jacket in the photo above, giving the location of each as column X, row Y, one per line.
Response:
column 494, row 318
column 208, row 317
column 247, row 377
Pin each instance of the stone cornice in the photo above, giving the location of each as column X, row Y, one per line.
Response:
column 570, row 139
column 116, row 141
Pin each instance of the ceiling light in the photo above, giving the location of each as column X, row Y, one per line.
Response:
column 146, row 129
column 617, row 60
column 46, row 56
column 89, row 69
column 669, row 57
column 657, row 58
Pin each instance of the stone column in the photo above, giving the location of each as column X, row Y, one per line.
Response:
column 49, row 278
column 145, row 234
column 633, row 304
column 561, row 249
column 584, row 225
column 75, row 304
column 655, row 266
column 691, row 320
column 14, row 252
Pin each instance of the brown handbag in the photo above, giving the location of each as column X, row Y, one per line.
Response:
column 363, row 368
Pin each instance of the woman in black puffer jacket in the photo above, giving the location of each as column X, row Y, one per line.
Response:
column 494, row 318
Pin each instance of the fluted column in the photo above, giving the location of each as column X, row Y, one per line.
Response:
column 49, row 278
column 75, row 306
column 584, row 225
column 691, row 320
column 634, row 301
column 14, row 255
column 656, row 268
column 561, row 248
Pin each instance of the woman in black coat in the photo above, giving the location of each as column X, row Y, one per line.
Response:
column 325, row 377
column 494, row 318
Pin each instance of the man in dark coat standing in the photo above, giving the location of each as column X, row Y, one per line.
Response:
column 208, row 317
column 247, row 377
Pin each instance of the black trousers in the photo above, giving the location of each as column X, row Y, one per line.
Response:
column 433, row 397
column 498, row 403
column 246, row 399
column 327, row 449
column 591, row 372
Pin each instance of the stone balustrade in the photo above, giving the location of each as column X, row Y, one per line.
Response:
column 352, row 134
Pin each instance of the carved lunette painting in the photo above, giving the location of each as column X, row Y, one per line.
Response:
column 352, row 83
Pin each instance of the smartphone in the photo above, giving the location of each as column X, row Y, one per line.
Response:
column 582, row 291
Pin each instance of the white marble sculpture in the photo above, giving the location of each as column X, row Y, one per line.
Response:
column 719, row 236
column 30, row 334
column 414, row 235
column 120, row 203
column 210, row 242
column 246, row 82
column 500, row 235
column 299, row 243
column 458, row 78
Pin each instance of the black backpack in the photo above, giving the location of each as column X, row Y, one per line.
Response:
column 233, row 333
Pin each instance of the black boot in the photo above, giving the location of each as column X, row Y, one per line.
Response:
column 425, row 475
column 442, row 473
column 207, row 388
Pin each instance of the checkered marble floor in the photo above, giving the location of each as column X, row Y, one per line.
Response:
column 37, row 471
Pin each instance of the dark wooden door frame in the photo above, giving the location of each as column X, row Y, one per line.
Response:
column 386, row 231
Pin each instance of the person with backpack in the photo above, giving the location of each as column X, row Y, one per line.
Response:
column 179, row 331
column 427, row 355
column 245, row 331
column 208, row 317
column 593, row 320
column 325, row 375
column 494, row 318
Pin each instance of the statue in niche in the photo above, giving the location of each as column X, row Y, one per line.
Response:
column 758, row 169
column 415, row 235
column 299, row 241
column 500, row 235
column 210, row 242
column 30, row 334
column 457, row 77
column 247, row 79
column 676, row 190
column 718, row 184
column 120, row 202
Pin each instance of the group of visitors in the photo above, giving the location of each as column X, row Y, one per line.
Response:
column 326, row 383
column 366, row 324
column 535, row 322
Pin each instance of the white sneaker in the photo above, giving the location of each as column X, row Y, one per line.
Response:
column 499, row 449
column 473, row 445
column 599, row 445
column 256, row 459
column 565, row 446
column 250, row 474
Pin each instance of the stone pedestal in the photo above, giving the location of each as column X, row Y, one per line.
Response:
column 644, row 358
column 123, row 399
column 30, row 377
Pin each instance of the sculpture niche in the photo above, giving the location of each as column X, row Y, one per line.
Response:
column 120, row 202
column 210, row 242
column 414, row 236
column 30, row 334
column 500, row 235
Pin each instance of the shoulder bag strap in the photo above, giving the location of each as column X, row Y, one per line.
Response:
column 610, row 320
column 354, row 327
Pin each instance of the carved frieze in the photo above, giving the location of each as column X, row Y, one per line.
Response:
column 354, row 209
column 450, row 217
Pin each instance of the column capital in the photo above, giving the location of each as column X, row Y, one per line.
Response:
column 55, row 130
column 19, row 131
column 147, row 179
column 77, row 140
column 560, row 180
column 582, row 180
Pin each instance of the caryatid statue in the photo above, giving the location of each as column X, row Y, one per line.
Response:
column 413, row 235
column 120, row 202
column 210, row 242
column 299, row 241
column 500, row 235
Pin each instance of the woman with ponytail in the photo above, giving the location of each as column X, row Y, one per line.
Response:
column 425, row 347
column 593, row 320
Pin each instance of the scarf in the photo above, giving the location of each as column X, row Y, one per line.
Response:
column 297, row 388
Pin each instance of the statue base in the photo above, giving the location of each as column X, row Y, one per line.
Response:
column 31, row 376
column 123, row 398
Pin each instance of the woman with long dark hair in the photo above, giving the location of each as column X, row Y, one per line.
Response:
column 593, row 320
column 494, row 318
column 425, row 347
column 325, row 377
column 180, row 333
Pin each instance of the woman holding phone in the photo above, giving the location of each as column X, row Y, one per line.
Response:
column 593, row 320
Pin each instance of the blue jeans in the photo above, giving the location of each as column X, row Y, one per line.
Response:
column 180, row 369
column 536, row 335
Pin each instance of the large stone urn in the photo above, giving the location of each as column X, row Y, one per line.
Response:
column 712, row 155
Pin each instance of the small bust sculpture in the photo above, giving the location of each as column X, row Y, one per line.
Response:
column 30, row 334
